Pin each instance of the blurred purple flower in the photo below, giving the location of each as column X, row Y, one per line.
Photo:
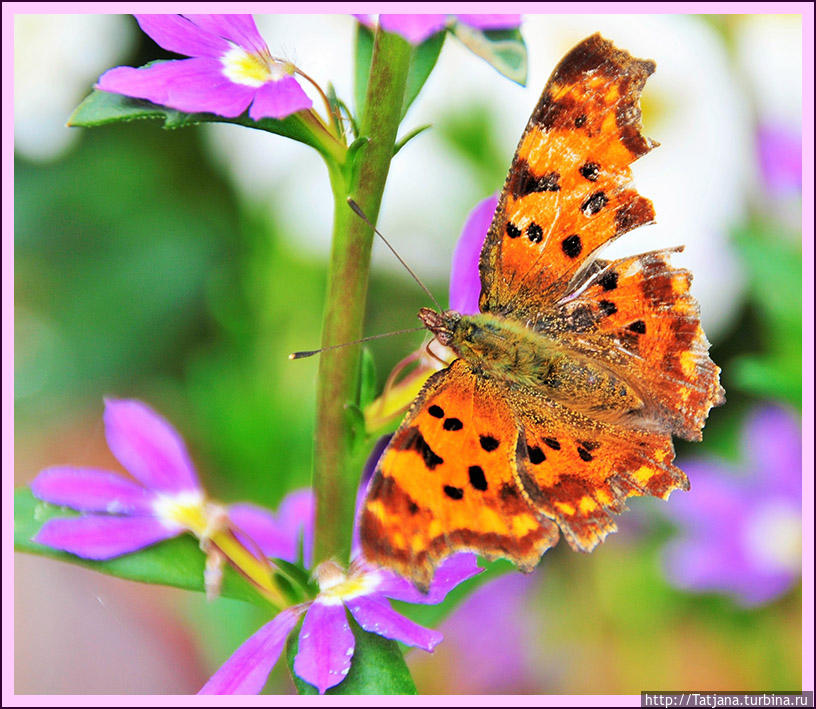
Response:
column 417, row 28
column 121, row 516
column 740, row 534
column 780, row 158
column 503, row 665
column 325, row 641
column 231, row 69
column 465, row 283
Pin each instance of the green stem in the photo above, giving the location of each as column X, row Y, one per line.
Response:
column 336, row 476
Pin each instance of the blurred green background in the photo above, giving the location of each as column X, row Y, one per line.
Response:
column 170, row 267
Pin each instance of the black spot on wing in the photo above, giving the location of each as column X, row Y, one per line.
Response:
column 488, row 443
column 455, row 493
column 415, row 441
column 452, row 424
column 590, row 171
column 594, row 203
column 477, row 477
column 608, row 307
column 609, row 280
column 572, row 246
column 436, row 411
column 523, row 182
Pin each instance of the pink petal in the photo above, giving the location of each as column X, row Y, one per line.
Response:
column 247, row 669
column 190, row 85
column 415, row 28
column 239, row 29
column 325, row 646
column 296, row 513
column 453, row 571
column 91, row 490
column 148, row 447
column 376, row 616
column 278, row 99
column 490, row 22
column 465, row 283
column 264, row 532
column 102, row 537
column 175, row 33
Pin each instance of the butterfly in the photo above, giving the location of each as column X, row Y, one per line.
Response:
column 571, row 380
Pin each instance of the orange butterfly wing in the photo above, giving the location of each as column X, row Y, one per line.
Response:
column 448, row 482
column 636, row 315
column 577, row 470
column 569, row 188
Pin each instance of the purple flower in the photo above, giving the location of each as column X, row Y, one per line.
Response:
column 740, row 531
column 325, row 641
column 465, row 284
column 417, row 28
column 121, row 516
column 231, row 69
column 780, row 157
column 502, row 665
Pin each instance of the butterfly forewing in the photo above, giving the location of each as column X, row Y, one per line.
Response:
column 447, row 482
column 569, row 187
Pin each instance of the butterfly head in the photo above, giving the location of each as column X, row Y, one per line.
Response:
column 443, row 324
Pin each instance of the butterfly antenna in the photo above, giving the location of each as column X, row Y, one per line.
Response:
column 359, row 212
column 309, row 353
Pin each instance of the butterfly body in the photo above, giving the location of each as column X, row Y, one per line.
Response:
column 521, row 357
column 572, row 379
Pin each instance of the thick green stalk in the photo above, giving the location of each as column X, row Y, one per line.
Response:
column 335, row 476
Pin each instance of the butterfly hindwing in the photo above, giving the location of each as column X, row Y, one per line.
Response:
column 447, row 482
column 569, row 187
column 578, row 471
column 636, row 316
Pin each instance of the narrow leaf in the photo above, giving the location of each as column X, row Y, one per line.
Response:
column 368, row 378
column 412, row 134
column 423, row 60
column 502, row 49
column 363, row 51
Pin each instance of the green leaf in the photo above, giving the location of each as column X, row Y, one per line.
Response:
column 101, row 108
column 177, row 562
column 377, row 667
column 502, row 49
column 368, row 378
column 363, row 51
column 423, row 60
column 776, row 293
column 412, row 134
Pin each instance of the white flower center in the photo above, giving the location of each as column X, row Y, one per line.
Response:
column 242, row 67
column 774, row 536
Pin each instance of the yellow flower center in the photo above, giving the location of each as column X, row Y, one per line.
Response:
column 242, row 67
column 186, row 509
column 336, row 586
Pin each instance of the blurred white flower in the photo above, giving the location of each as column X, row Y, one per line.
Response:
column 57, row 59
column 693, row 107
column 769, row 48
